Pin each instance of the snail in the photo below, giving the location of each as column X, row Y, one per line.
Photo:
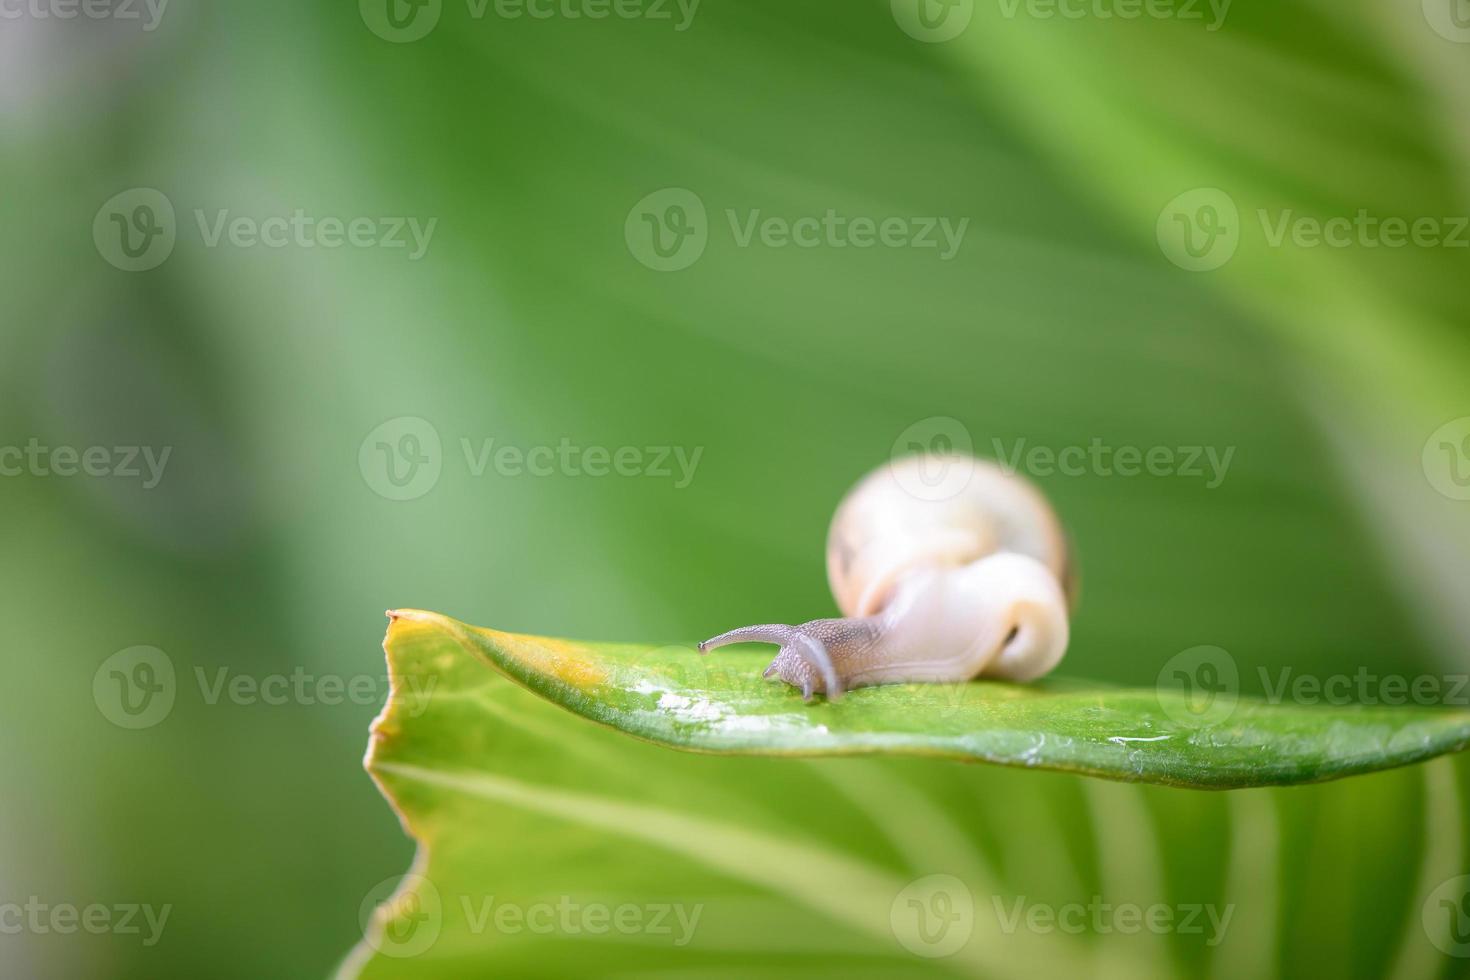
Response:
column 974, row 584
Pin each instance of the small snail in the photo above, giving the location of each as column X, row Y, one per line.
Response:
column 933, row 590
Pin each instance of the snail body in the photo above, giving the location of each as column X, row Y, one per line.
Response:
column 933, row 588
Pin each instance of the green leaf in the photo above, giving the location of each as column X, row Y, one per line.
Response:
column 720, row 703
column 526, row 814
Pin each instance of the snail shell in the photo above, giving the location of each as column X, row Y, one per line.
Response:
column 882, row 530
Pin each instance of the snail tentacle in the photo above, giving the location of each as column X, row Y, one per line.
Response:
column 793, row 643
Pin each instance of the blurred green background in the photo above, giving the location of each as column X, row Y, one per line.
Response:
column 267, row 548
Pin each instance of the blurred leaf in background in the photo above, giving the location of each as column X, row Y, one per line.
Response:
column 274, row 365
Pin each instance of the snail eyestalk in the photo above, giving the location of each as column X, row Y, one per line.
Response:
column 793, row 642
column 768, row 633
